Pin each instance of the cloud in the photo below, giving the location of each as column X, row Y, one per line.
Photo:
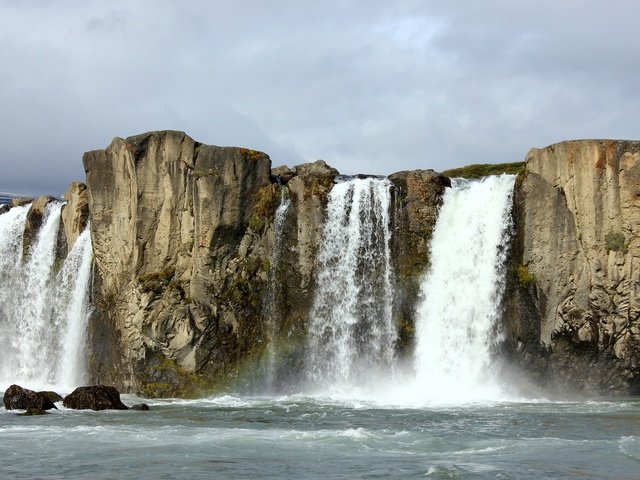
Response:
column 368, row 86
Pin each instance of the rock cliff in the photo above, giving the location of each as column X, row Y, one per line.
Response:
column 574, row 303
column 188, row 291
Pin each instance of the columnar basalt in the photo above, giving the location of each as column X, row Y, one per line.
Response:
column 574, row 311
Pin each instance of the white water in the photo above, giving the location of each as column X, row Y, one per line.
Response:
column 42, row 316
column 457, row 325
column 72, row 310
column 273, row 312
column 351, row 333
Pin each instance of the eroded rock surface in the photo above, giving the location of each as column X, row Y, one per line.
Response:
column 188, row 284
column 577, row 267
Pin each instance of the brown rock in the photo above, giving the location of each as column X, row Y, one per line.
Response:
column 96, row 397
column 578, row 208
column 17, row 397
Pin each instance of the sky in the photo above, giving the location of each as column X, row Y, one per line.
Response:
column 369, row 86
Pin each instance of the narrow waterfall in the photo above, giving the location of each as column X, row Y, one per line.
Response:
column 462, row 292
column 43, row 314
column 273, row 312
column 351, row 333
column 72, row 310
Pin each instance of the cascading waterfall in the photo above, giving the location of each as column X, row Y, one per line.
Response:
column 351, row 333
column 462, row 292
column 43, row 315
column 273, row 312
column 72, row 310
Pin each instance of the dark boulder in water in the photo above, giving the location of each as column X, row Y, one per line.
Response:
column 53, row 396
column 95, row 397
column 16, row 397
column 140, row 406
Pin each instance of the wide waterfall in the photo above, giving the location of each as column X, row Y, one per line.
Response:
column 43, row 303
column 457, row 327
column 351, row 333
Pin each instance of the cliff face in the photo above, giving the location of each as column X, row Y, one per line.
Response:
column 179, row 241
column 192, row 281
column 573, row 315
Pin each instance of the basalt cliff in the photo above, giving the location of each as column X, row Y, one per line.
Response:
column 573, row 309
column 193, row 280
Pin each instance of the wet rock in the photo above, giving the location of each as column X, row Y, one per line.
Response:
column 53, row 396
column 33, row 411
column 34, row 221
column 140, row 406
column 19, row 201
column 17, row 397
column 75, row 213
column 95, row 397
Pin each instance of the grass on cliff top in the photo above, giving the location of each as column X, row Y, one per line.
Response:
column 479, row 170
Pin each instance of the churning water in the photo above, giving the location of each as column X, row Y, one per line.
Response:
column 307, row 438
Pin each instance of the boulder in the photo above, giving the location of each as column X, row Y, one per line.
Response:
column 53, row 396
column 16, row 397
column 95, row 397
column 140, row 406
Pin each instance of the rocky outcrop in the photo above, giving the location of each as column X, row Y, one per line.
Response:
column 177, row 236
column 75, row 213
column 190, row 286
column 19, row 398
column 35, row 216
column 95, row 397
column 417, row 197
column 574, row 304
column 182, row 236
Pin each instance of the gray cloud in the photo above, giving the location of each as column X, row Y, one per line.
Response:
column 370, row 86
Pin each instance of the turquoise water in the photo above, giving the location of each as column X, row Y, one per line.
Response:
column 311, row 437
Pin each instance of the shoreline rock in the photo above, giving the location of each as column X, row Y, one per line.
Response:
column 20, row 398
column 95, row 397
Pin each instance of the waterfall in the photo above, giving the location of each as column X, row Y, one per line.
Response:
column 273, row 312
column 456, row 329
column 43, row 314
column 351, row 333
column 72, row 310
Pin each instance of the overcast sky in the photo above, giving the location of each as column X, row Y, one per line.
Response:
column 369, row 86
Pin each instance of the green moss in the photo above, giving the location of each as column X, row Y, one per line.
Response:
column 480, row 170
column 257, row 222
column 318, row 187
column 156, row 282
column 171, row 380
column 616, row 242
column 525, row 277
column 204, row 173
column 265, row 202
